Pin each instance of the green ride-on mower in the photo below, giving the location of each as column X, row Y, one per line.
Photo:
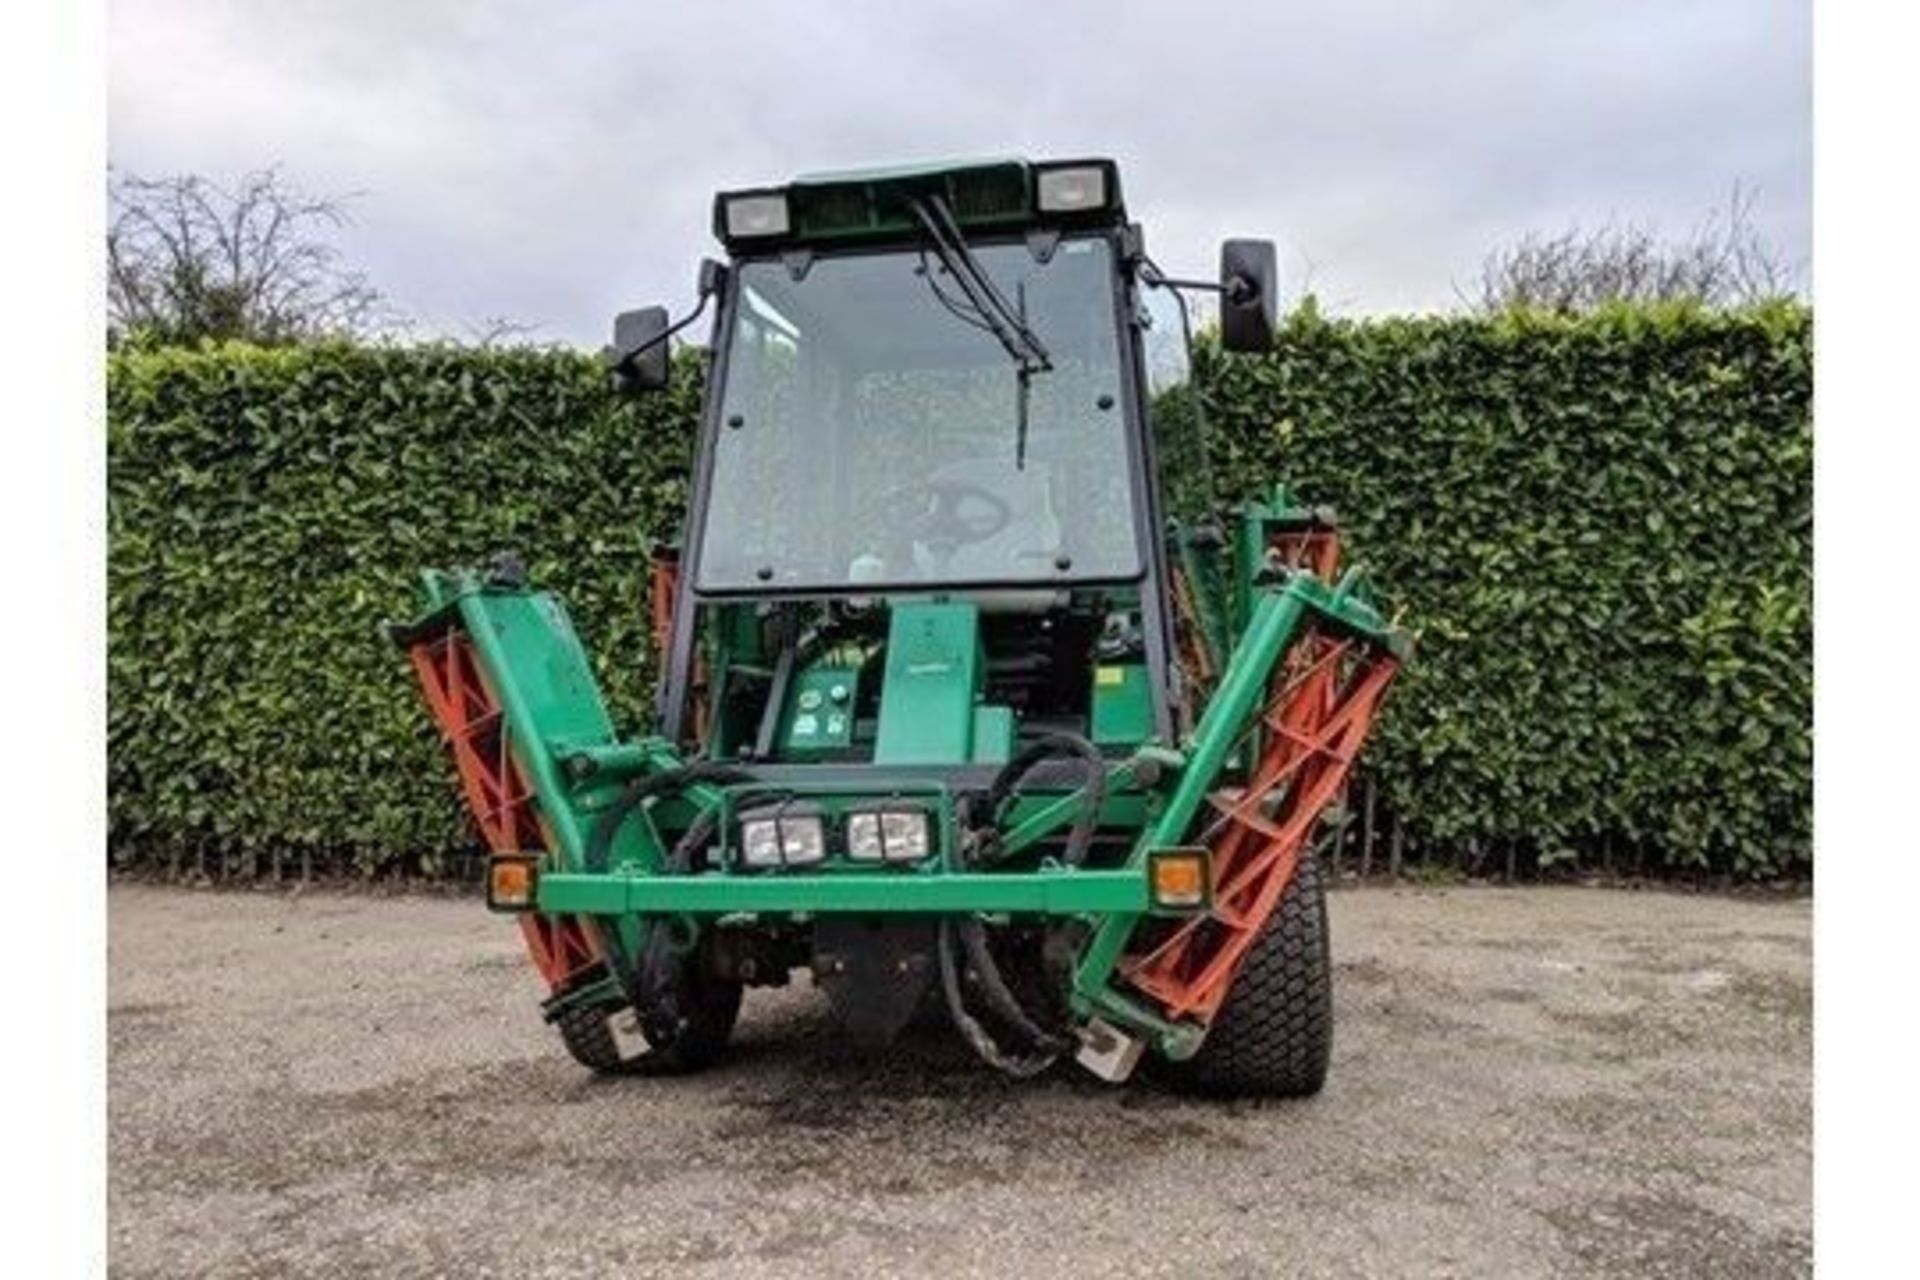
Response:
column 971, row 696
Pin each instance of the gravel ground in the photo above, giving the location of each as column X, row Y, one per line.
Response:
column 1526, row 1082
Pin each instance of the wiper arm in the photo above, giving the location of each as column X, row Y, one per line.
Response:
column 1007, row 324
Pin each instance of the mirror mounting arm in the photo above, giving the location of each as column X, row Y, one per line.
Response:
column 1238, row 290
column 1154, row 276
column 625, row 359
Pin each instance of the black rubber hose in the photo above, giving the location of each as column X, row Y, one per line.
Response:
column 999, row 996
column 1093, row 792
column 971, row 934
column 658, row 970
column 977, row 1036
column 696, row 837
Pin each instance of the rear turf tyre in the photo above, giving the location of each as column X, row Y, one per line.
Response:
column 711, row 1006
column 1274, row 1035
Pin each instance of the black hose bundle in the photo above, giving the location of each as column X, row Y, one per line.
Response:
column 965, row 937
column 978, row 1038
column 1093, row 791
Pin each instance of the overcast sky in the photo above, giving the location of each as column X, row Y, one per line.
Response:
column 554, row 162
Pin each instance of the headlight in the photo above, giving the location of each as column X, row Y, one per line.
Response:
column 753, row 215
column 891, row 835
column 790, row 839
column 1078, row 189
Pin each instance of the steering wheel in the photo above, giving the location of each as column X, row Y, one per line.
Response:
column 946, row 514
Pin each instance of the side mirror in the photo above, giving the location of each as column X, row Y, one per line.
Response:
column 1249, row 295
column 638, row 357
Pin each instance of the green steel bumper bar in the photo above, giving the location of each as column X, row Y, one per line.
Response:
column 1047, row 892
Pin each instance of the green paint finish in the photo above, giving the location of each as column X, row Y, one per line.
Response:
column 560, row 732
column 866, row 204
column 1255, row 523
column 732, row 640
column 905, row 172
column 1279, row 615
column 1122, row 705
column 557, row 723
column 1058, row 891
column 994, row 731
column 932, row 681
column 819, row 718
column 536, row 667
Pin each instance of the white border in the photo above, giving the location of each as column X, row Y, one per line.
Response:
column 53, row 99
column 1866, row 413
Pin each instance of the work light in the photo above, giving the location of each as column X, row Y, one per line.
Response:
column 786, row 839
column 1074, row 189
column 756, row 213
column 890, row 835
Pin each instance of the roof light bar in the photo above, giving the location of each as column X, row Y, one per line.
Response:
column 983, row 196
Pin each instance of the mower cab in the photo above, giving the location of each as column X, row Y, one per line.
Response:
column 970, row 693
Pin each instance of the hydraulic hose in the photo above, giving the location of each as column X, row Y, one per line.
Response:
column 658, row 971
column 970, row 935
column 652, row 983
column 599, row 851
column 977, row 1037
column 1093, row 791
column 999, row 996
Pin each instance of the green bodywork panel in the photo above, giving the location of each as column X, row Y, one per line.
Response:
column 1254, row 523
column 735, row 641
column 903, row 172
column 1054, row 891
column 1278, row 617
column 534, row 663
column 933, row 676
column 994, row 732
column 1122, row 705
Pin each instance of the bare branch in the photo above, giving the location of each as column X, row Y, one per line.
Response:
column 188, row 260
column 500, row 331
column 1724, row 261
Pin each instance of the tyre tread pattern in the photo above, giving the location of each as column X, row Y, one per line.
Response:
column 1274, row 1035
column 587, row 1033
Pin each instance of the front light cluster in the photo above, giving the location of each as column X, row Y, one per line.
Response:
column 798, row 838
column 888, row 835
column 784, row 840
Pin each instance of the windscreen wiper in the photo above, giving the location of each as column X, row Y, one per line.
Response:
column 985, row 306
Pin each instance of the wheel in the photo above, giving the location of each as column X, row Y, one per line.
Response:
column 711, row 1005
column 1274, row 1035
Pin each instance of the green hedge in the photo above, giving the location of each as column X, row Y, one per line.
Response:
column 268, row 509
column 1600, row 526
